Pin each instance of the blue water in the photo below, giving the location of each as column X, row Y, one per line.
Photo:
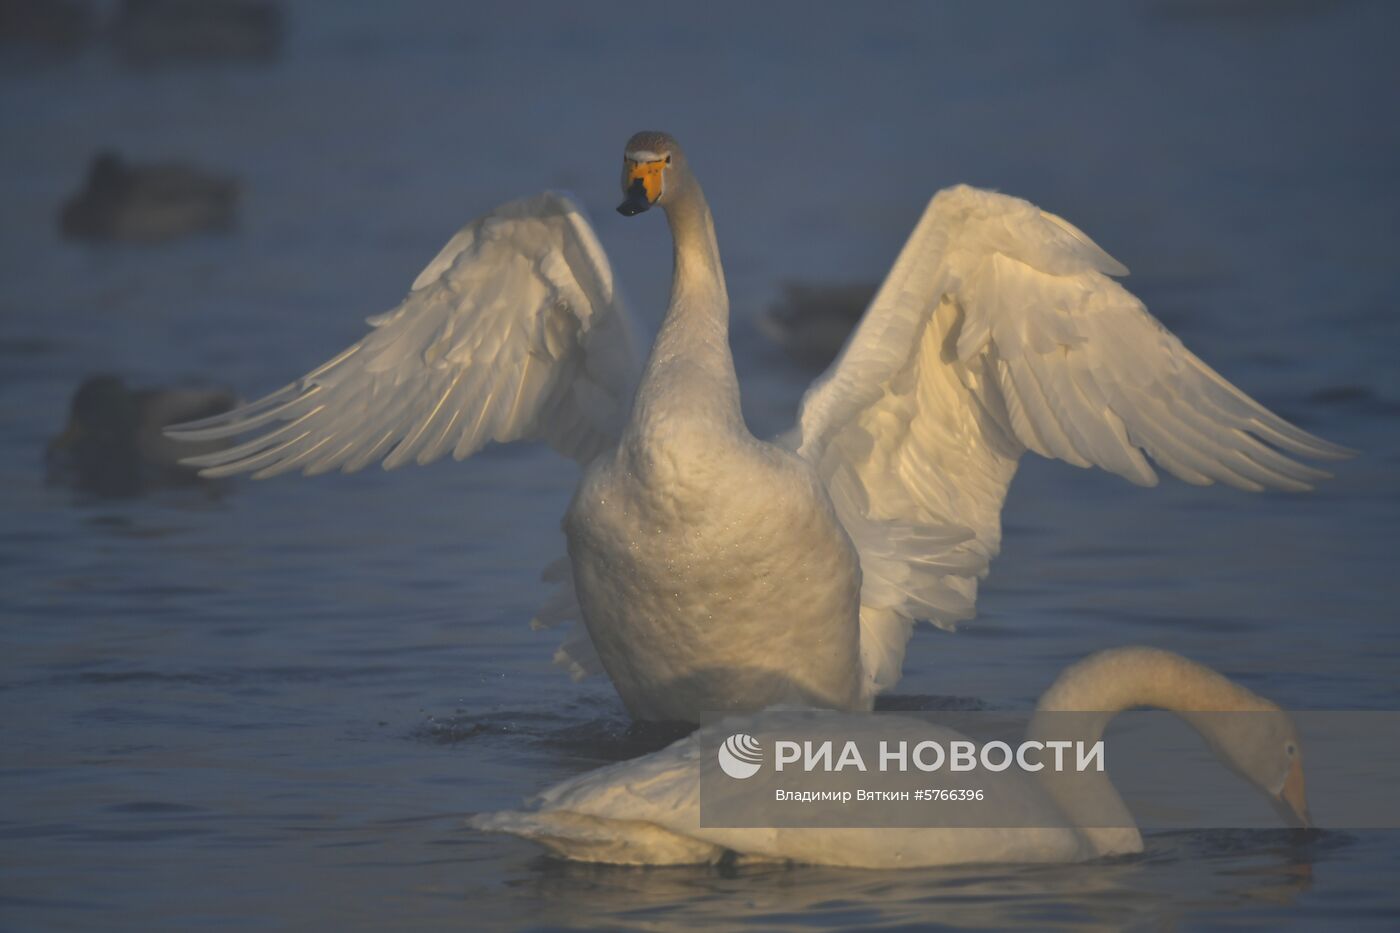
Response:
column 271, row 704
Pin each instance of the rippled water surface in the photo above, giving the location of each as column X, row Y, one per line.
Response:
column 272, row 703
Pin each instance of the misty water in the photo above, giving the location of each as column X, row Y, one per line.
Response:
column 274, row 703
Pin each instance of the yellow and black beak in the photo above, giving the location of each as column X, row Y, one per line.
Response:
column 643, row 183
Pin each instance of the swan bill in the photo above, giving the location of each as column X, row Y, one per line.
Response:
column 636, row 200
column 643, row 181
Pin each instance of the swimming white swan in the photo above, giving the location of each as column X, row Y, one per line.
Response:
column 714, row 571
column 647, row 811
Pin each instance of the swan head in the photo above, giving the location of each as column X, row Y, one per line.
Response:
column 650, row 171
column 1250, row 734
column 1262, row 746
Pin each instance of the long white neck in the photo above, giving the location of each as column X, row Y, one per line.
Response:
column 690, row 372
column 1087, row 695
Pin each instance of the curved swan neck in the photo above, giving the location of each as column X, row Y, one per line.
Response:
column 1085, row 698
column 698, row 278
column 691, row 371
column 1123, row 678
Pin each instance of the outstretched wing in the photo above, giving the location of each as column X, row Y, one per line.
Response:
column 998, row 331
column 513, row 332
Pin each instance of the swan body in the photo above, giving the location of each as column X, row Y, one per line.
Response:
column 713, row 571
column 647, row 811
column 704, row 546
column 701, row 535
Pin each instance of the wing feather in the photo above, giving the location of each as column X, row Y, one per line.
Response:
column 997, row 331
column 513, row 332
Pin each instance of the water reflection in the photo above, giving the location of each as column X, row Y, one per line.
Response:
column 1109, row 894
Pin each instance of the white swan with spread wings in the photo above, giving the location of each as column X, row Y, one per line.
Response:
column 715, row 572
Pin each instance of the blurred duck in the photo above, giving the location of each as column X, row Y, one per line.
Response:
column 647, row 811
column 114, row 443
column 811, row 322
column 36, row 27
column 150, row 203
column 152, row 32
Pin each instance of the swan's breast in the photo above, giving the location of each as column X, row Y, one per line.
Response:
column 713, row 575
